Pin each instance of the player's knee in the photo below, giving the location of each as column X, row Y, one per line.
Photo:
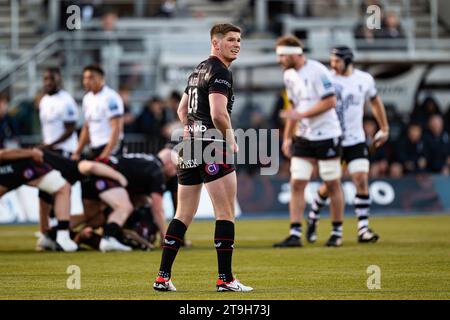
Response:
column 330, row 170
column 333, row 186
column 360, row 181
column 298, row 186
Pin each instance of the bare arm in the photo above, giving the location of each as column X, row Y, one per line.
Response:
column 320, row 107
column 88, row 168
column 379, row 112
column 69, row 130
column 183, row 109
column 221, row 118
column 288, row 133
column 117, row 128
column 19, row 154
column 82, row 141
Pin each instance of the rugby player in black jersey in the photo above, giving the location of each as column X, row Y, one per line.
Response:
column 205, row 106
column 98, row 182
column 146, row 175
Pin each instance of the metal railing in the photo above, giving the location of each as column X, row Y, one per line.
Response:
column 132, row 142
column 149, row 53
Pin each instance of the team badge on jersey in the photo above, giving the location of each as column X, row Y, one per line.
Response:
column 212, row 169
column 28, row 173
column 325, row 82
column 100, row 185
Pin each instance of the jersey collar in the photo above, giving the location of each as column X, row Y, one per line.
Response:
column 217, row 58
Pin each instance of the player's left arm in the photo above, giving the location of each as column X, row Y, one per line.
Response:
column 19, row 154
column 183, row 108
column 116, row 128
column 324, row 88
column 88, row 168
column 69, row 129
column 325, row 104
column 379, row 113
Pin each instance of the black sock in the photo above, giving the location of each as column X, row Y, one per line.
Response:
column 337, row 229
column 224, row 241
column 63, row 225
column 112, row 230
column 172, row 242
column 52, row 233
column 296, row 230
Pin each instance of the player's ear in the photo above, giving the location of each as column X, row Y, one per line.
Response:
column 215, row 43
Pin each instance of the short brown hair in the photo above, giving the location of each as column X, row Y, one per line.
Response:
column 94, row 68
column 289, row 41
column 222, row 29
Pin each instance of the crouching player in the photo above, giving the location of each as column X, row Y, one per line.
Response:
column 27, row 167
column 99, row 183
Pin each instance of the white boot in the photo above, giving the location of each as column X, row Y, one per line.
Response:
column 64, row 241
column 44, row 243
column 112, row 244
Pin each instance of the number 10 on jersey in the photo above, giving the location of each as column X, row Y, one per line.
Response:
column 193, row 100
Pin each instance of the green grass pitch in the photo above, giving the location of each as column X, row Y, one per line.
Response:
column 413, row 255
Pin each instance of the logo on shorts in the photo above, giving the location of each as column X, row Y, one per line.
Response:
column 212, row 169
column 28, row 174
column 100, row 184
column 331, row 153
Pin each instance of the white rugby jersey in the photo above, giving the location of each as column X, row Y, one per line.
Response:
column 54, row 111
column 98, row 110
column 306, row 87
column 351, row 94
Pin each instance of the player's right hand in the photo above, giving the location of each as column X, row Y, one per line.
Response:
column 235, row 147
column 122, row 180
column 37, row 155
column 286, row 148
column 380, row 138
column 75, row 156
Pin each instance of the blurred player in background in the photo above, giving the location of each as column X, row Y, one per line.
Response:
column 317, row 138
column 206, row 104
column 147, row 175
column 103, row 117
column 99, row 182
column 26, row 166
column 58, row 114
column 353, row 88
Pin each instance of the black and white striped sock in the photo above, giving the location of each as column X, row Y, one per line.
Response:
column 316, row 206
column 337, row 229
column 362, row 207
column 296, row 230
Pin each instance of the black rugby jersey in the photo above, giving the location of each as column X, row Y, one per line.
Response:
column 210, row 76
column 67, row 167
column 144, row 172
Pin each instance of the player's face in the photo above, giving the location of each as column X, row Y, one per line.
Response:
column 50, row 82
column 337, row 64
column 286, row 61
column 230, row 45
column 92, row 81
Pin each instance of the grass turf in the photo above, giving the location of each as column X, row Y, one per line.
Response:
column 413, row 254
